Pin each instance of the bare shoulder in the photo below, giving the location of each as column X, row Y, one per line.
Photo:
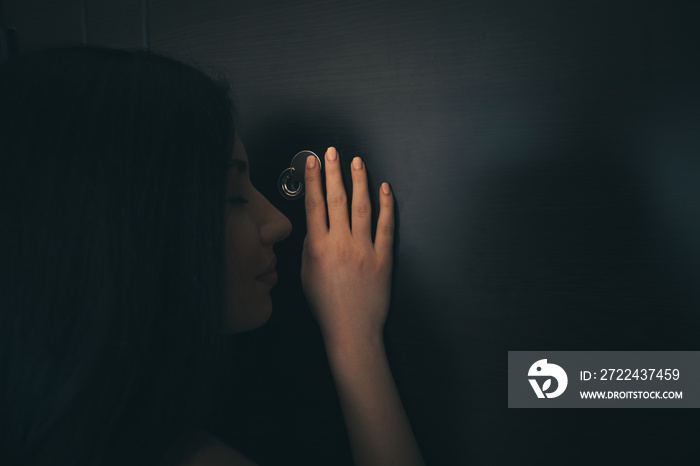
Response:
column 214, row 452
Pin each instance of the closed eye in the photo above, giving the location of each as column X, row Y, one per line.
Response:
column 238, row 200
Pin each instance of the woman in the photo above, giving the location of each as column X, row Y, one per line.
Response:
column 133, row 239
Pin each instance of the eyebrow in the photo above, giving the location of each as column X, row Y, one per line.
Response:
column 241, row 165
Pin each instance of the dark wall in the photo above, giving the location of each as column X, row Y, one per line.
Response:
column 545, row 157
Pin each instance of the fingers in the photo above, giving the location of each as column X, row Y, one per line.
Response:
column 337, row 199
column 384, row 239
column 337, row 204
column 313, row 199
column 361, row 207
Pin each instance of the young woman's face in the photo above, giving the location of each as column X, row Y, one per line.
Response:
column 253, row 226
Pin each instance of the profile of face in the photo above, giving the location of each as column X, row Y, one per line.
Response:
column 252, row 227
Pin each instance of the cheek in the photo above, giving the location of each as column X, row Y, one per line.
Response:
column 235, row 280
column 236, row 259
column 241, row 251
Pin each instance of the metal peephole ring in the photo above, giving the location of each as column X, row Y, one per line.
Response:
column 291, row 181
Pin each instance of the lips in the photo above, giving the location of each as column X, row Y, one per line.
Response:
column 270, row 268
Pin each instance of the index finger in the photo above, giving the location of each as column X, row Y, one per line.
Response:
column 316, row 222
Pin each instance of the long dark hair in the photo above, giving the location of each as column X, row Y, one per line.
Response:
column 112, row 190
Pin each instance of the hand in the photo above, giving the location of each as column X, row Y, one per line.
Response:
column 346, row 278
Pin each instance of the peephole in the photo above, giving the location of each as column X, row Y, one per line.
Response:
column 291, row 181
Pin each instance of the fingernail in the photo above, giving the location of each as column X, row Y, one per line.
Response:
column 385, row 188
column 332, row 154
column 357, row 163
column 310, row 162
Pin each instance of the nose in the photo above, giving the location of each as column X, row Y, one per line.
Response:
column 276, row 227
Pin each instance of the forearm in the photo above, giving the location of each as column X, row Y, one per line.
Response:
column 378, row 428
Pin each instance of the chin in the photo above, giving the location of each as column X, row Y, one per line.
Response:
column 237, row 322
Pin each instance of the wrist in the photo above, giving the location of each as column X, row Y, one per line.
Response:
column 346, row 345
